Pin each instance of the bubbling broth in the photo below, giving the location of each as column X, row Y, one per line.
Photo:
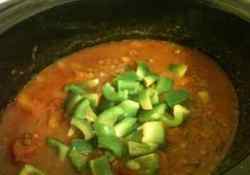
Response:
column 194, row 146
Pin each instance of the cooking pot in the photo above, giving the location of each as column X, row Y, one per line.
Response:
column 35, row 33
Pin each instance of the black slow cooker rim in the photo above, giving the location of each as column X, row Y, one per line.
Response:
column 24, row 5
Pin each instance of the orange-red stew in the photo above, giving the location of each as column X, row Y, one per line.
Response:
column 195, row 147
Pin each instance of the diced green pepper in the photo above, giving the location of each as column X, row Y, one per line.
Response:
column 150, row 79
column 153, row 132
column 125, row 126
column 178, row 69
column 117, row 123
column 164, row 85
column 155, row 114
column 79, row 161
column 107, row 139
column 82, row 146
column 110, row 93
column 128, row 76
column 180, row 112
column 100, row 166
column 84, row 127
column 75, row 89
column 111, row 143
column 135, row 136
column 30, row 170
column 60, row 147
column 142, row 70
column 148, row 98
column 175, row 97
column 133, row 87
column 145, row 100
column 79, row 110
column 93, row 99
column 91, row 83
column 172, row 121
column 104, row 130
column 90, row 114
column 78, row 154
column 145, row 165
column 138, row 149
column 83, row 110
column 105, row 104
column 111, row 115
column 71, row 101
column 130, row 108
column 154, row 96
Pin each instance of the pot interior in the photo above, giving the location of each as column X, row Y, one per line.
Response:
column 37, row 42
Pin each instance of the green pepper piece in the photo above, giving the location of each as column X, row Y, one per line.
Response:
column 133, row 87
column 172, row 121
column 71, row 101
column 110, row 93
column 154, row 96
column 83, row 110
column 30, row 170
column 138, row 149
column 91, row 83
column 179, row 69
column 111, row 143
column 93, row 99
column 148, row 98
column 60, row 147
column 145, row 100
column 79, row 109
column 142, row 70
column 145, row 165
column 90, row 114
column 79, row 161
column 85, row 85
column 135, row 136
column 130, row 108
column 125, row 126
column 110, row 116
column 150, row 79
column 84, row 127
column 155, row 114
column 105, row 104
column 107, row 139
column 104, row 130
column 164, row 85
column 180, row 112
column 74, row 88
column 153, row 133
column 82, row 146
column 175, row 97
column 128, row 76
column 100, row 166
column 78, row 154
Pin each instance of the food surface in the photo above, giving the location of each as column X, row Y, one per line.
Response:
column 134, row 107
